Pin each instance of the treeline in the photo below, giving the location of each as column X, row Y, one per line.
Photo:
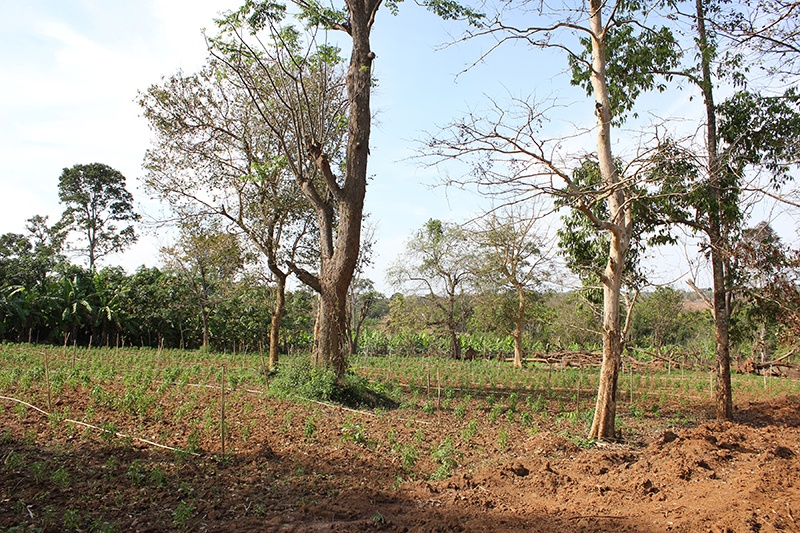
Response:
column 152, row 307
column 46, row 299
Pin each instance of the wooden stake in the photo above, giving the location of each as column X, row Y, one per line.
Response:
column 47, row 380
column 438, row 391
column 631, row 387
column 222, row 422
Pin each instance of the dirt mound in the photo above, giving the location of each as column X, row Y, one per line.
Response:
column 721, row 477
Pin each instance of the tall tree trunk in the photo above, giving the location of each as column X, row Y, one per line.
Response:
column 618, row 227
column 204, row 317
column 455, row 343
column 603, row 425
column 275, row 322
column 519, row 322
column 723, row 395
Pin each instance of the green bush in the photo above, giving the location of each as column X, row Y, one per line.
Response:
column 302, row 379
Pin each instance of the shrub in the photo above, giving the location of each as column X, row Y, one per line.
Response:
column 301, row 378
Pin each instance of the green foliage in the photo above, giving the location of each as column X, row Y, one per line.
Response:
column 583, row 246
column 356, row 433
column 183, row 514
column 761, row 130
column 636, row 56
column 302, row 379
column 96, row 200
column 446, row 456
column 658, row 318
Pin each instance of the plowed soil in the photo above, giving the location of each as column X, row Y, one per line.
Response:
column 292, row 466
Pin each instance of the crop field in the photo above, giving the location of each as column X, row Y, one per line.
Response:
column 153, row 440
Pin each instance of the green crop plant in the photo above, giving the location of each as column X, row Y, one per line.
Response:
column 469, row 432
column 109, row 433
column 157, row 477
column 490, row 400
column 538, row 404
column 12, row 461
column 409, row 457
column 357, row 434
column 39, row 469
column 495, row 412
column 310, row 427
column 71, row 520
column 21, row 411
column 445, row 455
column 193, row 442
column 137, row 472
column 513, row 399
column 183, row 514
column 502, row 439
column 61, row 477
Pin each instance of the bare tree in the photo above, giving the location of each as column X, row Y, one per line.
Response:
column 438, row 265
column 213, row 158
column 592, row 34
column 513, row 253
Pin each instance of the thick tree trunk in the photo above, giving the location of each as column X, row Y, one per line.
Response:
column 339, row 245
column 455, row 343
column 330, row 344
column 723, row 396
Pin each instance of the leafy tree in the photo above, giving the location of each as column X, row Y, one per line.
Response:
column 766, row 274
column 702, row 190
column 96, row 200
column 361, row 298
column 29, row 260
column 658, row 317
column 437, row 265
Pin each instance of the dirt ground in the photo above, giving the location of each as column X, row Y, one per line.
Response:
column 309, row 467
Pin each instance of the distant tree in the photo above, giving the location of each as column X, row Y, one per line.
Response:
column 437, row 265
column 96, row 200
column 361, row 298
column 658, row 317
column 208, row 258
column 767, row 293
column 28, row 260
column 511, row 254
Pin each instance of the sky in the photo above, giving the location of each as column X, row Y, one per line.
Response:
column 72, row 70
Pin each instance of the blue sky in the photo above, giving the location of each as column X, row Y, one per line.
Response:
column 72, row 69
